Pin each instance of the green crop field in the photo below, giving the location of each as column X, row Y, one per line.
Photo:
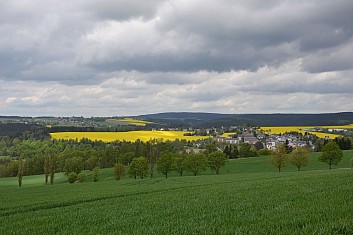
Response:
column 249, row 197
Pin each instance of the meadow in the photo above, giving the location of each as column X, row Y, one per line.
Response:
column 129, row 121
column 248, row 197
column 127, row 136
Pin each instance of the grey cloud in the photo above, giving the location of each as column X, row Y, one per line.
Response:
column 219, row 55
column 122, row 9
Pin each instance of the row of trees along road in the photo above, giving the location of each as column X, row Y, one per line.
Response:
column 180, row 163
column 299, row 157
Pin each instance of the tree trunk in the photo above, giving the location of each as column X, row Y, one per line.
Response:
column 52, row 178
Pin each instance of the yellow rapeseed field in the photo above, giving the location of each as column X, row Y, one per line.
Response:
column 303, row 129
column 127, row 136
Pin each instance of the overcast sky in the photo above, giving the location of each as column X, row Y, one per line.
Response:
column 128, row 57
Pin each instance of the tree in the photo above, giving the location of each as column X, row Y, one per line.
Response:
column 20, row 172
column 216, row 160
column 95, row 173
column 139, row 167
column 165, row 163
column 234, row 152
column 227, row 151
column 259, row 145
column 180, row 164
column 279, row 157
column 195, row 163
column 73, row 164
column 245, row 150
column 344, row 143
column 152, row 155
column 46, row 168
column 210, row 148
column 299, row 157
column 331, row 154
column 118, row 171
column 52, row 168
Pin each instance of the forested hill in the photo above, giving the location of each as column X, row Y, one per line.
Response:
column 217, row 120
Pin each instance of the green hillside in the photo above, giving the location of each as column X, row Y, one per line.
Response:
column 249, row 197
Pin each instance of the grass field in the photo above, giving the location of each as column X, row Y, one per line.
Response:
column 128, row 136
column 249, row 197
column 130, row 121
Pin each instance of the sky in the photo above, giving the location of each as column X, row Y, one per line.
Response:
column 128, row 57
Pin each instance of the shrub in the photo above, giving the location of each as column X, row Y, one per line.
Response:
column 265, row 152
column 95, row 174
column 72, row 177
column 81, row 177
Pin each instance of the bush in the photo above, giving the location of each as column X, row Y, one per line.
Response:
column 95, row 174
column 265, row 152
column 72, row 177
column 81, row 177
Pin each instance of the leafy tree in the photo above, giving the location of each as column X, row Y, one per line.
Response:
column 245, row 150
column 74, row 164
column 279, row 157
column 12, row 168
column 331, row 154
column 195, row 163
column 234, row 152
column 95, row 173
column 126, row 158
column 20, row 172
column 118, row 171
column 259, row 145
column 299, row 157
column 180, row 164
column 227, row 151
column 318, row 145
column 210, row 148
column 72, row 177
column 344, row 143
column 216, row 160
column 165, row 163
column 139, row 167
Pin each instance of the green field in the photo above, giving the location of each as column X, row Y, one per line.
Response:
column 249, row 197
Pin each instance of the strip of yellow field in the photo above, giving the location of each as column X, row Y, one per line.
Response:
column 338, row 127
column 299, row 129
column 127, row 136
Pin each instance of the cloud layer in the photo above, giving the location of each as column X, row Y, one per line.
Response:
column 122, row 57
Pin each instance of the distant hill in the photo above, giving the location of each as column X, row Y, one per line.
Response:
column 186, row 119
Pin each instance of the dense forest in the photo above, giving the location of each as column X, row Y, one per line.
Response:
column 206, row 120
